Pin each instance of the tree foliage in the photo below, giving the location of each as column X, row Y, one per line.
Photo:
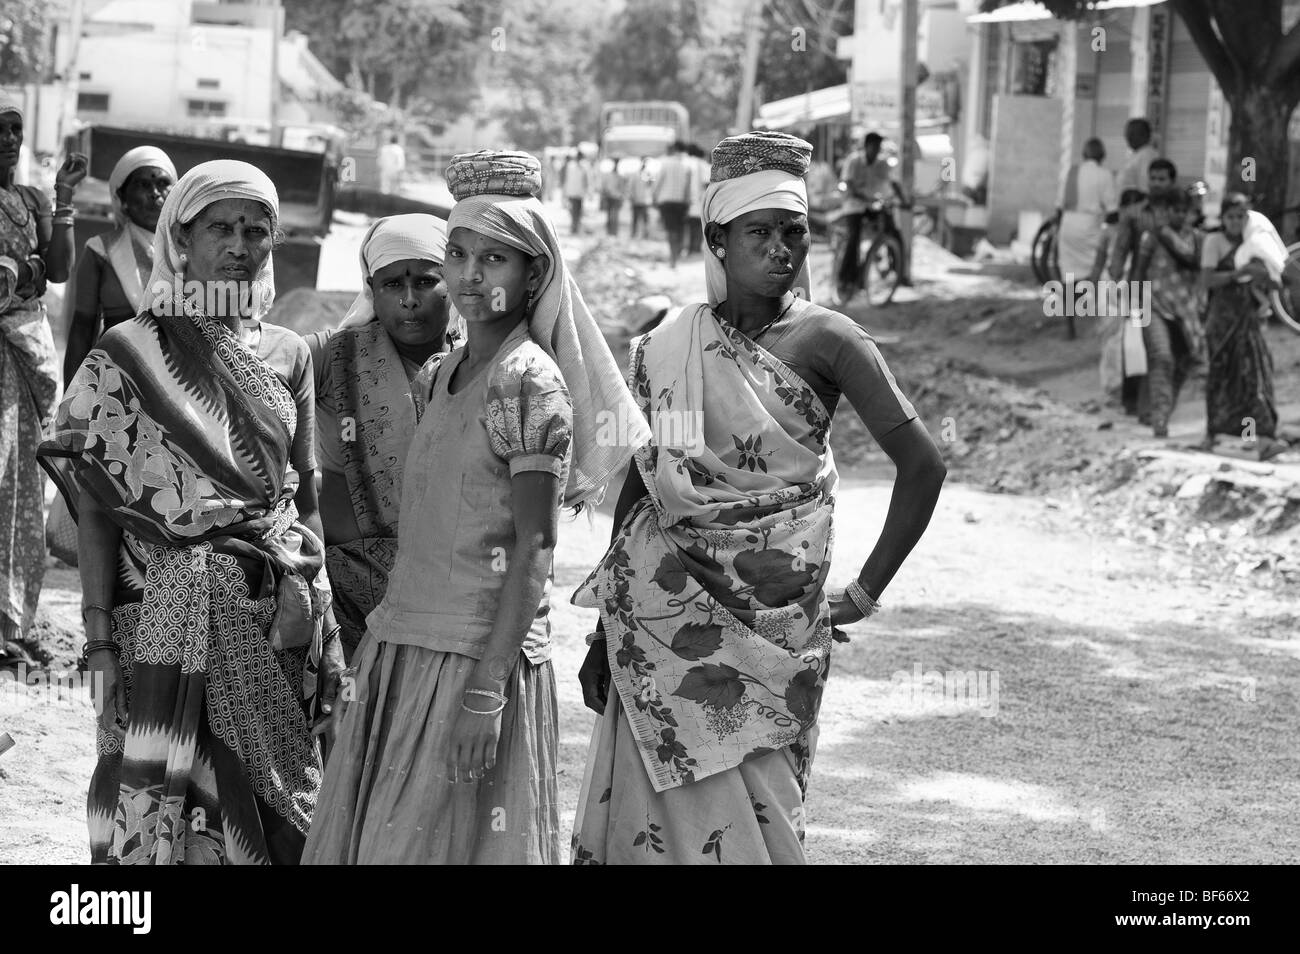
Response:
column 24, row 40
column 799, row 44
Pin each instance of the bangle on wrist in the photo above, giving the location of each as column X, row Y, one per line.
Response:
column 859, row 597
column 96, row 645
column 97, row 607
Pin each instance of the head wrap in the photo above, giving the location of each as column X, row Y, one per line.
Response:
column 10, row 107
column 494, row 173
column 759, row 170
column 141, row 157
column 394, row 239
column 206, row 183
column 560, row 321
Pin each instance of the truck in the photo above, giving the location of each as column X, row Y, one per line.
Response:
column 646, row 128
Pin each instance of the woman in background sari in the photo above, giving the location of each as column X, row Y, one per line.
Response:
column 1239, row 380
column 716, row 627
column 184, row 449
column 365, row 414
column 109, row 285
column 35, row 246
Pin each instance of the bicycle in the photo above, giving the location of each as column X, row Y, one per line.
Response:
column 879, row 266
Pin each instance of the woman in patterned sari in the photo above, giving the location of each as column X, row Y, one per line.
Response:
column 35, row 246
column 184, row 449
column 365, row 414
column 1239, row 381
column 113, row 270
column 716, row 627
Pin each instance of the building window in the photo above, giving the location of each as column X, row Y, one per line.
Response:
column 92, row 102
column 209, row 84
column 84, row 77
column 205, row 108
column 1033, row 68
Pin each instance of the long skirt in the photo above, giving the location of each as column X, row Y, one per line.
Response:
column 218, row 765
column 1239, row 379
column 750, row 815
column 386, row 798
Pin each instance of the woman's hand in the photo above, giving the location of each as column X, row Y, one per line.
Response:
column 108, row 691
column 594, row 677
column 472, row 746
column 71, row 172
column 844, row 612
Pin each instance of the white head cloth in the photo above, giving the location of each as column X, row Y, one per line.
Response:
column 1259, row 239
column 141, row 157
column 732, row 198
column 206, row 183
column 394, row 239
column 563, row 326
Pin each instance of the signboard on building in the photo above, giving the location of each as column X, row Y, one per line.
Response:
column 1217, row 118
column 879, row 103
column 1159, row 29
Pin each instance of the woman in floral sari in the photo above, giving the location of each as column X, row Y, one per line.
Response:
column 716, row 627
column 365, row 413
column 184, row 449
column 1239, row 381
column 35, row 246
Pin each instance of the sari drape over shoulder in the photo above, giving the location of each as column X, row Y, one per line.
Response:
column 712, row 593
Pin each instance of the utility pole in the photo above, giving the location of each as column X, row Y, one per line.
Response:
column 749, row 72
column 907, row 172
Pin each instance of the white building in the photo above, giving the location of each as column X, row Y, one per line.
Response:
column 181, row 65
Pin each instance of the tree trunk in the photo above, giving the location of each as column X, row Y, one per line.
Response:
column 1259, row 155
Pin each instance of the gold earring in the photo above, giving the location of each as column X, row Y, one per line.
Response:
column 720, row 252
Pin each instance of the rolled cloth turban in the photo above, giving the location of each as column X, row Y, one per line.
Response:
column 759, row 170
column 206, row 183
column 6, row 106
column 141, row 157
column 560, row 321
column 395, row 239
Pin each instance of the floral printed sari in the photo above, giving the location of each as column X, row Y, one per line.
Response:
column 712, row 593
column 183, row 436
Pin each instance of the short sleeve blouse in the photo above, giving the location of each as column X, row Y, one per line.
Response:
column 529, row 413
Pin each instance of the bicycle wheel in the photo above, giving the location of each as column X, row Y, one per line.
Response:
column 880, row 269
column 1043, row 255
column 1286, row 299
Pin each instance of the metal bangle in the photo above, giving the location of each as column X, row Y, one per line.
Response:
column 500, row 698
column 95, row 645
column 94, row 606
column 861, row 599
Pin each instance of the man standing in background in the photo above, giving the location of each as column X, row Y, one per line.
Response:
column 672, row 193
column 392, row 163
column 642, row 194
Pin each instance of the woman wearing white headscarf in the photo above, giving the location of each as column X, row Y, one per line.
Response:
column 109, row 283
column 715, row 620
column 448, row 753
column 35, row 246
column 205, row 598
column 365, row 413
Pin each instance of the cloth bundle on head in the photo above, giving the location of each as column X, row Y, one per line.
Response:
column 494, row 173
column 1259, row 239
column 560, row 321
column 206, row 183
column 394, row 239
column 759, row 170
column 8, row 106
column 141, row 157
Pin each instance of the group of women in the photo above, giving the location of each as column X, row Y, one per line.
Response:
column 398, row 619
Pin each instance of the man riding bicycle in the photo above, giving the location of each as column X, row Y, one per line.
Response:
column 867, row 179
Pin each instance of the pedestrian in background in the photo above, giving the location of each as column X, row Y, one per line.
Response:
column 694, row 237
column 1089, row 198
column 613, row 190
column 392, row 163
column 672, row 194
column 642, row 193
column 576, row 186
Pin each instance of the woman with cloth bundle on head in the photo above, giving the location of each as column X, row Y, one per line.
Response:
column 35, row 247
column 110, row 284
column 447, row 755
column 184, row 450
column 716, row 626
column 365, row 412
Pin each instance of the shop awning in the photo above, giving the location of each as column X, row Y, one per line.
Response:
column 820, row 105
column 1026, row 11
